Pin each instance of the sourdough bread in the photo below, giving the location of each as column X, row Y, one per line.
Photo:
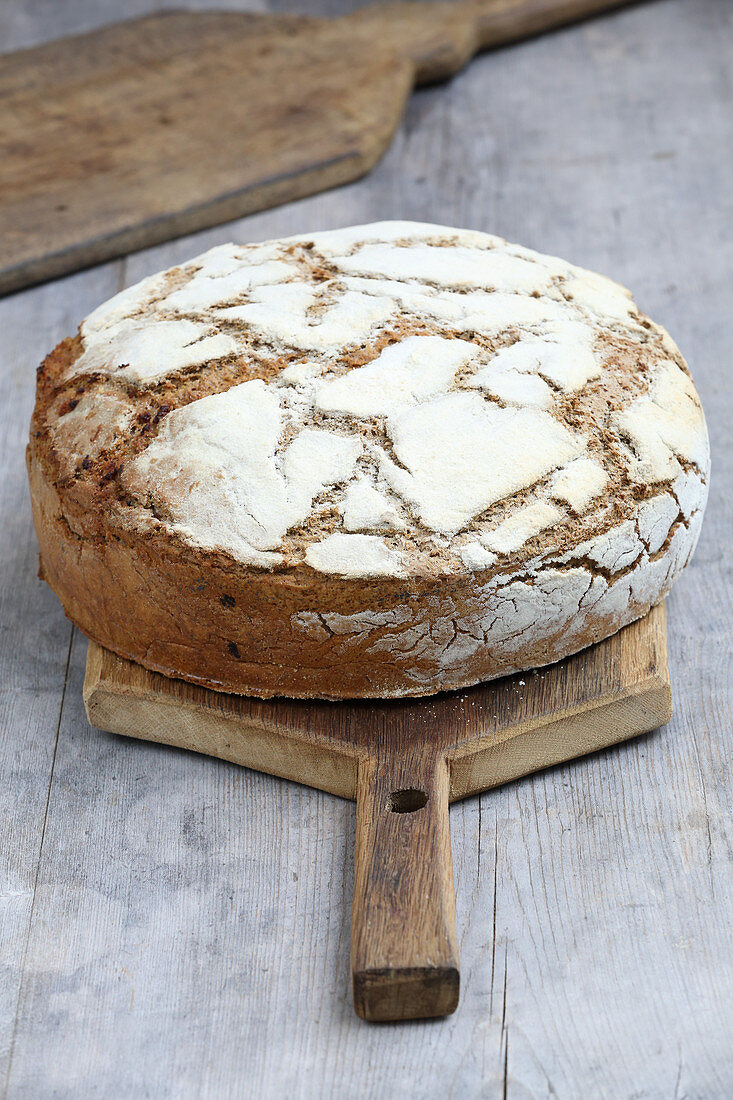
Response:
column 380, row 461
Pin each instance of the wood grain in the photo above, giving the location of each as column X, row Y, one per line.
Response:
column 404, row 953
column 35, row 644
column 403, row 761
column 146, row 130
column 594, row 905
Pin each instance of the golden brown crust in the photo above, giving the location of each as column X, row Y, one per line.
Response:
column 229, row 629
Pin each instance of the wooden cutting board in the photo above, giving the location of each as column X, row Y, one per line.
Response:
column 403, row 762
column 157, row 127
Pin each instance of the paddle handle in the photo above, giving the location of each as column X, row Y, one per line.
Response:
column 404, row 956
column 440, row 38
column 501, row 21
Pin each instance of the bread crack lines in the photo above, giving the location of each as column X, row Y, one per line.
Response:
column 322, row 620
column 500, row 513
column 404, row 282
column 578, row 561
column 681, row 521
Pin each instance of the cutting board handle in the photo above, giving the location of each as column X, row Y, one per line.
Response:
column 502, row 21
column 404, row 956
column 440, row 38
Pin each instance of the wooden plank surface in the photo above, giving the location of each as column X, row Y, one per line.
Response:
column 595, row 900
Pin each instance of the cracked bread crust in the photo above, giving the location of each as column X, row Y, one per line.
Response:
column 383, row 461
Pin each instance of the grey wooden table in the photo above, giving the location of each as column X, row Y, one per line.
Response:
column 172, row 926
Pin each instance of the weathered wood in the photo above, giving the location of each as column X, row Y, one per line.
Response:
column 190, row 930
column 404, row 954
column 402, row 761
column 35, row 639
column 146, row 130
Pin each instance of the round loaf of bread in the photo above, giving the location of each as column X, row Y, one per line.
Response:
column 388, row 460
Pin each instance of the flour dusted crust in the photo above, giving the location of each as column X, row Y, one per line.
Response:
column 381, row 461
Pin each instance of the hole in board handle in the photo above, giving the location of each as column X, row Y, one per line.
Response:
column 407, row 801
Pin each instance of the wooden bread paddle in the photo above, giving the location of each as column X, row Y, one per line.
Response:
column 403, row 761
column 149, row 129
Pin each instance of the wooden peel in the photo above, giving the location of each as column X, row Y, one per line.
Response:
column 149, row 129
column 403, row 762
